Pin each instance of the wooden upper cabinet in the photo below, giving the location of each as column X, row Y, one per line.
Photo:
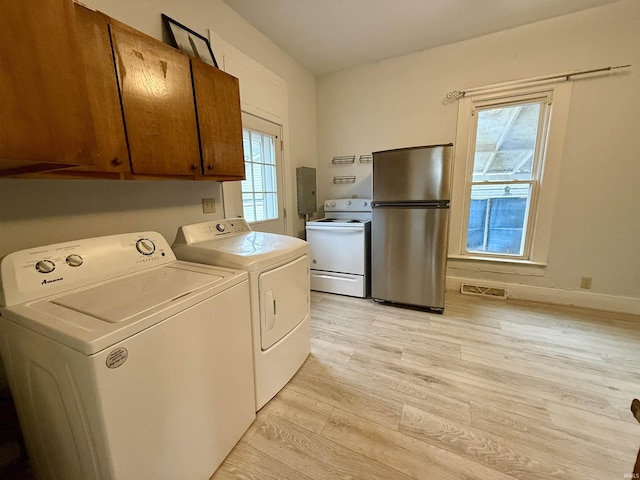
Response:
column 157, row 100
column 43, row 94
column 83, row 92
column 111, row 154
column 219, row 121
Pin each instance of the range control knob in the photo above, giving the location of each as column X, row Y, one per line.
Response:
column 348, row 202
column 45, row 266
column 145, row 246
column 220, row 227
column 74, row 260
column 333, row 204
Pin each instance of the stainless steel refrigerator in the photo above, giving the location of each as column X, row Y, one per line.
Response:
column 409, row 231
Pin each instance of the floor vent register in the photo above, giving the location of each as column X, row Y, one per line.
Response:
column 496, row 292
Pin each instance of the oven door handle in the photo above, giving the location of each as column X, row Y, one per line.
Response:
column 336, row 229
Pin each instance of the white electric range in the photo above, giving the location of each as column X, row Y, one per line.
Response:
column 339, row 247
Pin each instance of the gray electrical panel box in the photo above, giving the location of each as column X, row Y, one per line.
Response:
column 306, row 180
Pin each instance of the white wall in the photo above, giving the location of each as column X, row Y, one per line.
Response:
column 596, row 231
column 38, row 212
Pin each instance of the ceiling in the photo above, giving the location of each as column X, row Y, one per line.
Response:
column 329, row 35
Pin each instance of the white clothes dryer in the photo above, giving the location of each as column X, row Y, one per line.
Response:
column 278, row 267
column 124, row 362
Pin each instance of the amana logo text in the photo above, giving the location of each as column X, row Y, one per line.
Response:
column 45, row 282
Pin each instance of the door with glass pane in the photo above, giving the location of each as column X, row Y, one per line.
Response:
column 262, row 198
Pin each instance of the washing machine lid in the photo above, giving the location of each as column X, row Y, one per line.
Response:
column 246, row 251
column 94, row 318
column 121, row 300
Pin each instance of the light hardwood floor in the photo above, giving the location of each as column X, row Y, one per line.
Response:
column 492, row 389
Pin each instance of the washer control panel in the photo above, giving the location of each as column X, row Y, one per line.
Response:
column 39, row 272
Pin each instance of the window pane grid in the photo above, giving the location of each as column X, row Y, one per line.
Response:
column 506, row 158
column 260, row 196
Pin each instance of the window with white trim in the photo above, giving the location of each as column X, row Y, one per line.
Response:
column 508, row 151
column 260, row 188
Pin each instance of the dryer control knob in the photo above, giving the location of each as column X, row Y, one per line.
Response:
column 220, row 227
column 74, row 260
column 45, row 266
column 145, row 246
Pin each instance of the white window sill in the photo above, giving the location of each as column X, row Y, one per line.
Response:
column 496, row 265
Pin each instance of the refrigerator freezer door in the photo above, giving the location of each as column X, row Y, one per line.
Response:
column 409, row 255
column 412, row 174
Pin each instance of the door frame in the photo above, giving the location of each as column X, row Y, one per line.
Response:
column 232, row 191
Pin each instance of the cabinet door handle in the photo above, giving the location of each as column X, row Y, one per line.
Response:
column 116, row 162
column 194, row 167
column 210, row 166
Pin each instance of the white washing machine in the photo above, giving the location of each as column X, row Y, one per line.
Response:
column 278, row 267
column 123, row 362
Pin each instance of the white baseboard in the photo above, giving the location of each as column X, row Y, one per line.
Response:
column 577, row 298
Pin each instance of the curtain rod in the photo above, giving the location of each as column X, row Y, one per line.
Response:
column 457, row 94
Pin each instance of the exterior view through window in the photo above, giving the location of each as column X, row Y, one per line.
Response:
column 260, row 189
column 508, row 148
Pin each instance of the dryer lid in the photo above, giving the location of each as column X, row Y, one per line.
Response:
column 247, row 251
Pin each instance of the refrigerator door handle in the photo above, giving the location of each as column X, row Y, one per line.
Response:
column 434, row 204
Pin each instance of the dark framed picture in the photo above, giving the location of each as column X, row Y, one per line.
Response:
column 189, row 42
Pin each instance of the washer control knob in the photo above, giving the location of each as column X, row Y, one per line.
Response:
column 221, row 227
column 364, row 204
column 348, row 203
column 145, row 246
column 45, row 266
column 333, row 204
column 74, row 260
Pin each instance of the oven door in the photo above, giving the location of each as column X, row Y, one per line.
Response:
column 337, row 249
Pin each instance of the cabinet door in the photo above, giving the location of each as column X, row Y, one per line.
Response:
column 157, row 100
column 218, row 106
column 44, row 96
column 112, row 154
